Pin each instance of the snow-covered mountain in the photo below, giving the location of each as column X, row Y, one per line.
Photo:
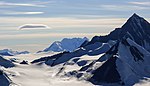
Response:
column 136, row 26
column 126, row 64
column 9, row 52
column 123, row 56
column 67, row 44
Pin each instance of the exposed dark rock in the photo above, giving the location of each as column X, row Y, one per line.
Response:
column 54, row 57
column 82, row 63
column 136, row 53
column 107, row 73
column 84, row 68
column 24, row 62
column 1, row 72
column 79, row 75
column 76, row 59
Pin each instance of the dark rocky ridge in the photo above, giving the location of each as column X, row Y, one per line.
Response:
column 136, row 26
column 107, row 73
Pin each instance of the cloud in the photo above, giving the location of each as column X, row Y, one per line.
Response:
column 23, row 13
column 62, row 22
column 123, row 7
column 48, row 35
column 33, row 26
column 6, row 4
column 140, row 3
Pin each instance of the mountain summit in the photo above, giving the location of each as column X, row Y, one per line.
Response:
column 137, row 27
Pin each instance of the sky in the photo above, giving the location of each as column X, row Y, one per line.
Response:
column 62, row 18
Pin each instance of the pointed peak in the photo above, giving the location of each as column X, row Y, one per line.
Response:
column 135, row 20
column 135, row 16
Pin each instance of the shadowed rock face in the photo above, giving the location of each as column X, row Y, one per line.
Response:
column 106, row 73
column 1, row 72
column 136, row 53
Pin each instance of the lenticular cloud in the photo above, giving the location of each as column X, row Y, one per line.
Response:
column 34, row 26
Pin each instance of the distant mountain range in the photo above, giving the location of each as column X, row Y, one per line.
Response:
column 9, row 52
column 67, row 44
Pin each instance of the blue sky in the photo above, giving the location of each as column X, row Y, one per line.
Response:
column 65, row 18
column 73, row 8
